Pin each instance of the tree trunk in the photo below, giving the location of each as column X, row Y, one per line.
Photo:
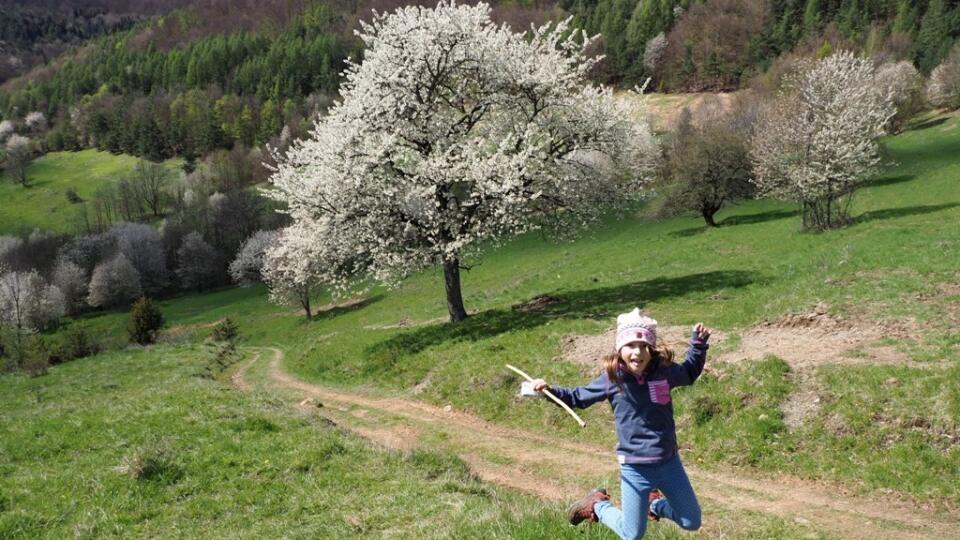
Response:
column 305, row 301
column 451, row 281
column 707, row 214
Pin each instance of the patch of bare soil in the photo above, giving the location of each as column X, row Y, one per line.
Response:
column 664, row 110
column 818, row 337
column 804, row 403
column 548, row 467
column 238, row 379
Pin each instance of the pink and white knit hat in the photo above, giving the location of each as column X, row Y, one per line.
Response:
column 633, row 326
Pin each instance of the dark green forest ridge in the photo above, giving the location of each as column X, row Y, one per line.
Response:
column 229, row 72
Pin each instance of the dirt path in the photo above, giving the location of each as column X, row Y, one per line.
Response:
column 238, row 378
column 553, row 468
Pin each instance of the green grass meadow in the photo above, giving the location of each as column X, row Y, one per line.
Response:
column 43, row 203
column 248, row 465
column 133, row 444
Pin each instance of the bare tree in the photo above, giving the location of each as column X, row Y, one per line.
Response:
column 89, row 250
column 28, row 304
column 150, row 181
column 105, row 207
column 11, row 248
column 142, row 245
column 198, row 264
column 130, row 200
column 709, row 47
column 13, row 307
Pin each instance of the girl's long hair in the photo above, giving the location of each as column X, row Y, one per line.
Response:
column 661, row 355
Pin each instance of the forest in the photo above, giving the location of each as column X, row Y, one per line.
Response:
column 191, row 81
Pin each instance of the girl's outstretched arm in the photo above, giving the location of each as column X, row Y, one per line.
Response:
column 579, row 397
column 685, row 373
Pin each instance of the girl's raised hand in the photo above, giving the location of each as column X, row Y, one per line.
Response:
column 539, row 385
column 701, row 332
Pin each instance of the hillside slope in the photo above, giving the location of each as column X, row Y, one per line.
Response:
column 44, row 205
column 862, row 393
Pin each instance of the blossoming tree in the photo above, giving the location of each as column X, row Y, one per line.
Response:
column 905, row 86
column 943, row 89
column 819, row 139
column 306, row 256
column 452, row 131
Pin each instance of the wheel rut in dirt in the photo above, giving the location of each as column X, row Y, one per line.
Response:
column 555, row 469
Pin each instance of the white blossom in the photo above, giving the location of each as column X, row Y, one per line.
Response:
column 296, row 265
column 17, row 143
column 904, row 84
column 72, row 282
column 14, row 298
column 217, row 200
column 114, row 283
column 47, row 306
column 246, row 266
column 35, row 121
column 6, row 129
column 653, row 53
column 815, row 143
column 28, row 303
column 454, row 130
column 943, row 88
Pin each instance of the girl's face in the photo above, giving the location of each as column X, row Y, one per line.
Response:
column 636, row 356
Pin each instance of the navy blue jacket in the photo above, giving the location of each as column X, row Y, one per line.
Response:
column 643, row 411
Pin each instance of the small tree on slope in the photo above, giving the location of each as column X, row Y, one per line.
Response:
column 302, row 260
column 817, row 141
column 707, row 165
column 145, row 322
column 114, row 283
column 453, row 131
column 245, row 269
column 943, row 89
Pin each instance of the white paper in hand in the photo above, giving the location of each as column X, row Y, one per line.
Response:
column 526, row 390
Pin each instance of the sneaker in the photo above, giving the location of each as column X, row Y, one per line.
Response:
column 654, row 495
column 582, row 510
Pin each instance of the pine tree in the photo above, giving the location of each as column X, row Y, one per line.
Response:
column 812, row 18
column 145, row 322
column 933, row 38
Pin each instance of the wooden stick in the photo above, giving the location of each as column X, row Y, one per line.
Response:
column 551, row 396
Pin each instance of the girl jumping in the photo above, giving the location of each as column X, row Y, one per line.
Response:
column 636, row 380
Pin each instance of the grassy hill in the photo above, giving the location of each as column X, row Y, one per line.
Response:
column 43, row 203
column 886, row 425
column 135, row 444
